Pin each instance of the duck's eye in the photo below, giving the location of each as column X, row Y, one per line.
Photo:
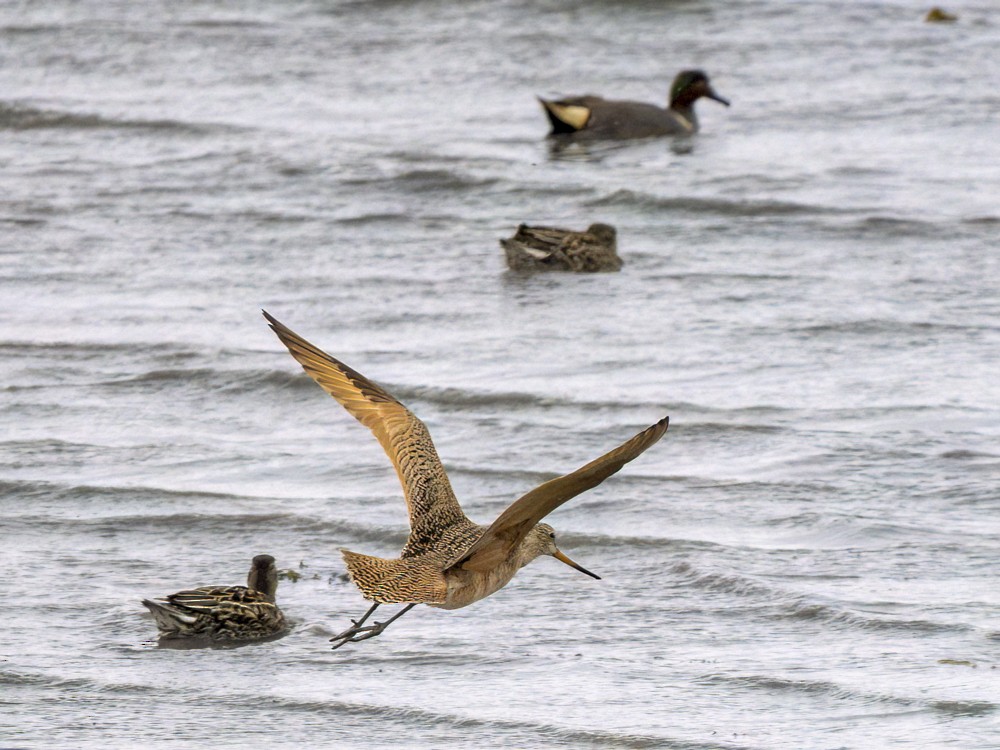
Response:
column 552, row 534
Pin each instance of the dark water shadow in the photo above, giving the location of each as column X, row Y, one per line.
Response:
column 569, row 148
column 202, row 642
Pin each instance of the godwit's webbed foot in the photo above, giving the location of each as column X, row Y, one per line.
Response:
column 362, row 632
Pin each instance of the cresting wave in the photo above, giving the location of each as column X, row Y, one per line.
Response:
column 84, row 348
column 777, row 604
column 888, row 227
column 376, row 218
column 60, row 493
column 205, row 519
column 842, row 693
column 803, row 610
column 422, row 181
column 715, row 206
column 405, row 719
column 805, row 687
column 211, row 379
column 176, row 366
column 552, row 732
column 222, row 524
column 247, row 380
column 13, row 678
column 21, row 117
column 883, row 327
column 73, row 493
column 505, row 400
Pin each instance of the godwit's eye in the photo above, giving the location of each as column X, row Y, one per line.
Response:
column 552, row 534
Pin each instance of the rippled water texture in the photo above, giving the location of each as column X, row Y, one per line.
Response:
column 807, row 560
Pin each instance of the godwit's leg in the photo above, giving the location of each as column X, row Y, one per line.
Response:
column 359, row 633
column 356, row 624
column 365, row 616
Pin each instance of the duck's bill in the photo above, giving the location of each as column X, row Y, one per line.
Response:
column 721, row 99
column 562, row 558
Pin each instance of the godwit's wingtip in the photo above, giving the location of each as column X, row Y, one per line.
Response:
column 274, row 324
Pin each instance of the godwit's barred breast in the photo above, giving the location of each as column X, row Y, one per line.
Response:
column 448, row 561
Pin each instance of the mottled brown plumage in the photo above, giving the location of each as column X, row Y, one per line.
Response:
column 223, row 613
column 448, row 561
column 552, row 249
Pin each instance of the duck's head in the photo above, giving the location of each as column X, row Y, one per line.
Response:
column 603, row 233
column 263, row 576
column 541, row 540
column 691, row 85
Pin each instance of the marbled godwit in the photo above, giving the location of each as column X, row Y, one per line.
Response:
column 233, row 613
column 448, row 561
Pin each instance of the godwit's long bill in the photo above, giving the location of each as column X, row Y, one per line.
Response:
column 448, row 561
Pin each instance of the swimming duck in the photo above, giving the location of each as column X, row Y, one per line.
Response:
column 936, row 15
column 232, row 613
column 596, row 117
column 548, row 248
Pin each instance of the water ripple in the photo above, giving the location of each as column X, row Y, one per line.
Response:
column 20, row 117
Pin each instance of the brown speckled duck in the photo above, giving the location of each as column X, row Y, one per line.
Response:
column 551, row 249
column 937, row 15
column 448, row 560
column 224, row 613
column 593, row 117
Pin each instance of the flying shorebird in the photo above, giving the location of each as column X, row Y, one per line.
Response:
column 448, row 561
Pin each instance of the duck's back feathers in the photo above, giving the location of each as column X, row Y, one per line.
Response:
column 551, row 248
column 169, row 619
column 594, row 117
column 217, row 612
column 234, row 613
column 206, row 598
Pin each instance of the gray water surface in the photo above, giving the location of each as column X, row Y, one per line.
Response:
column 808, row 559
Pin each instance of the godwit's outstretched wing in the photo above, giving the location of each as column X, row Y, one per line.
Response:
column 496, row 544
column 430, row 499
